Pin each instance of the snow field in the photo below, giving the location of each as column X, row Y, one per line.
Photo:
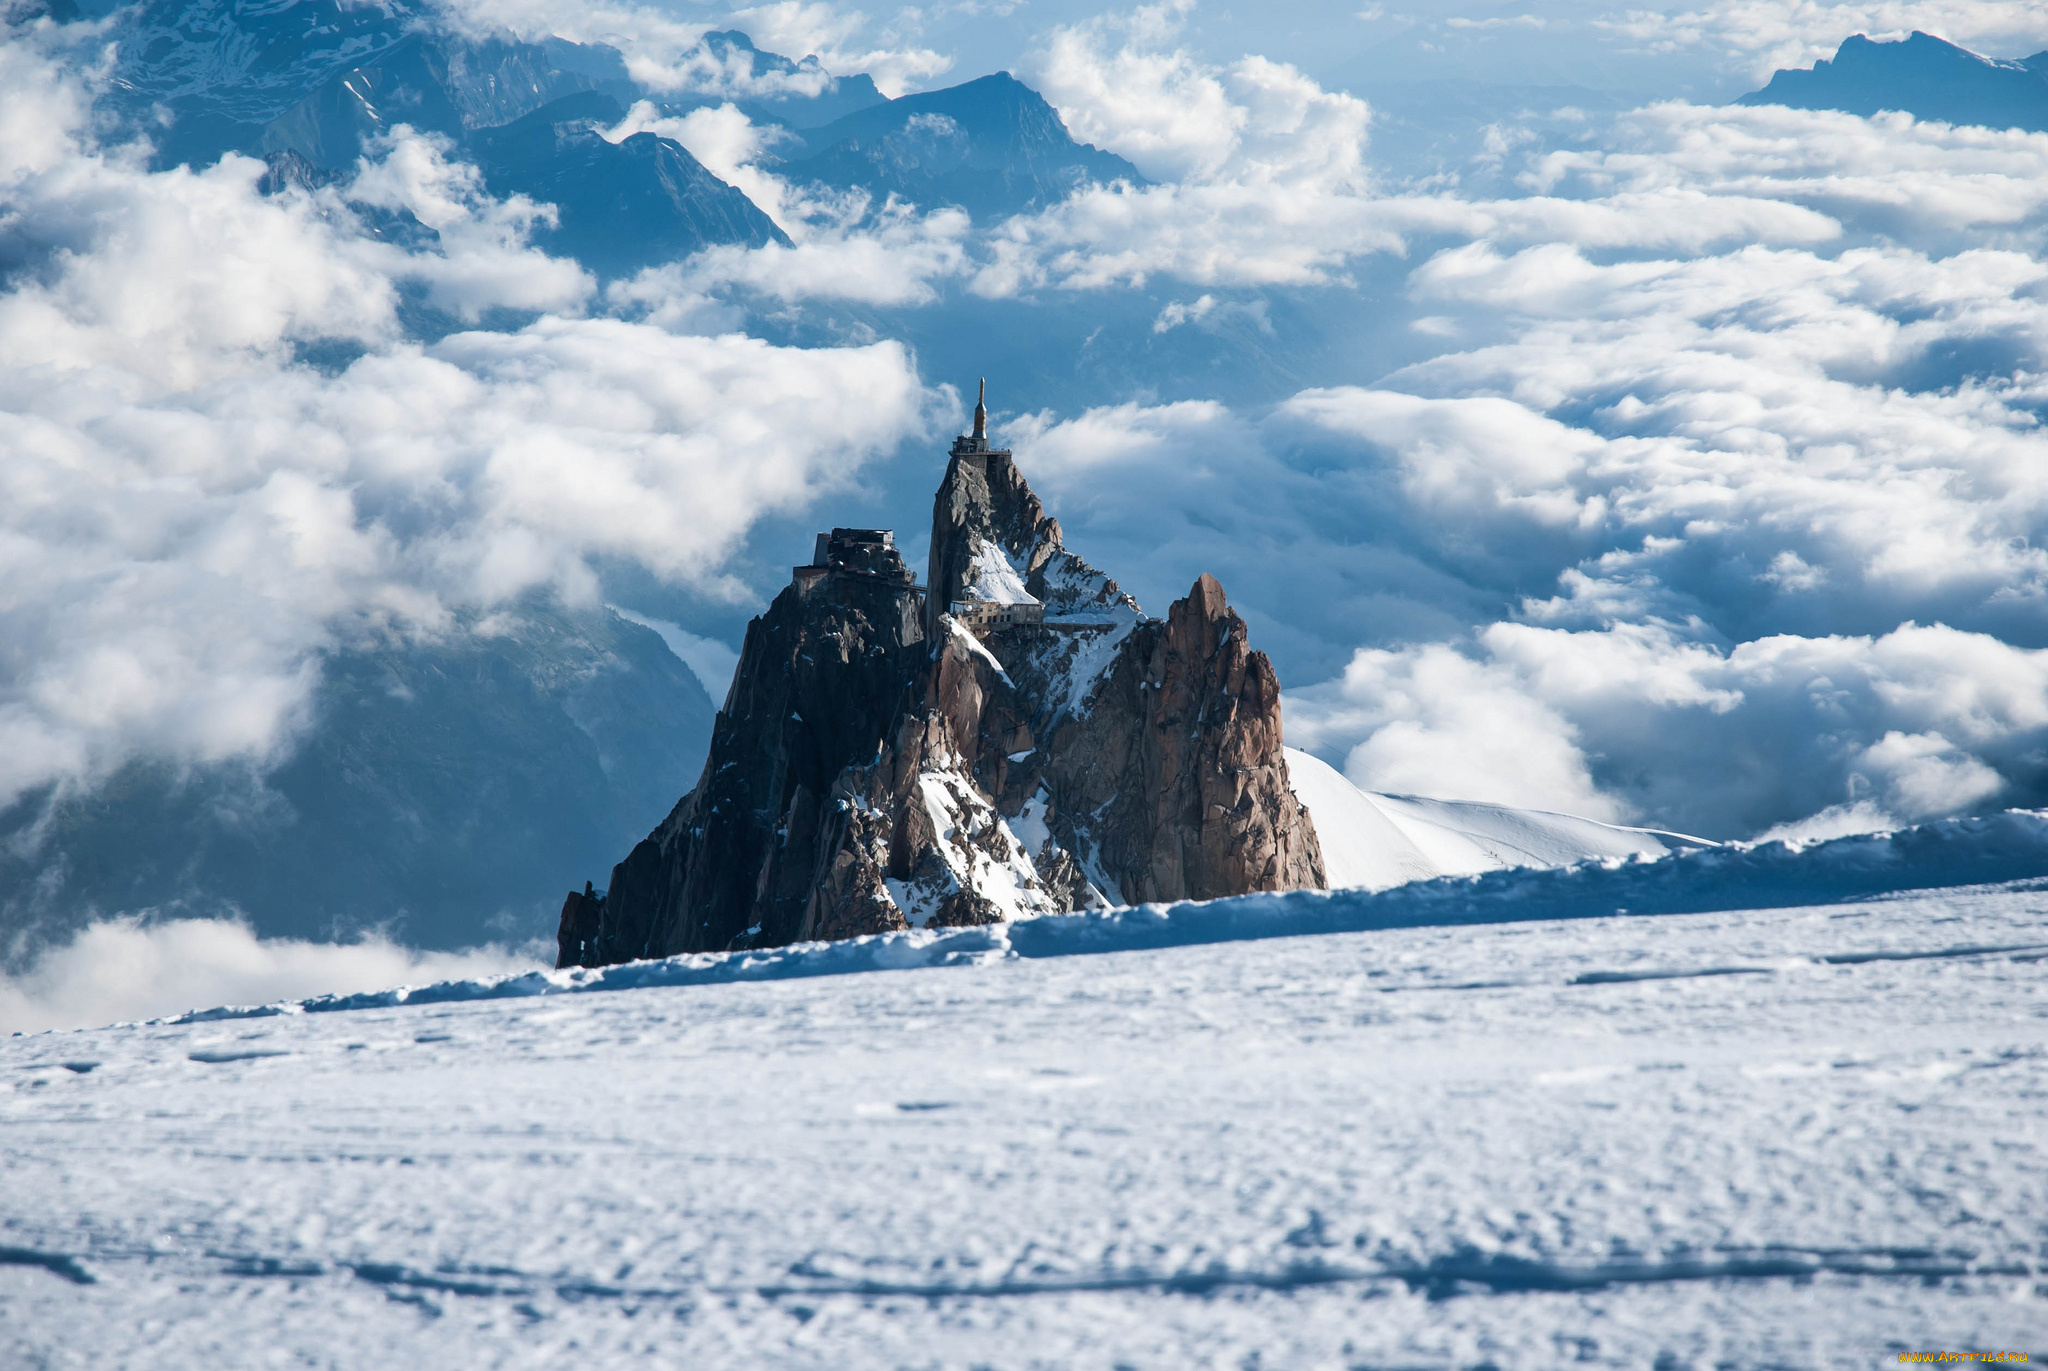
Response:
column 1805, row 1137
column 1373, row 842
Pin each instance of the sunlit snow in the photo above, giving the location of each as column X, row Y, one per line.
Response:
column 1797, row 1136
column 992, row 579
column 1376, row 841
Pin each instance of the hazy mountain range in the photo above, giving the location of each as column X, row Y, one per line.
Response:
column 435, row 792
column 308, row 87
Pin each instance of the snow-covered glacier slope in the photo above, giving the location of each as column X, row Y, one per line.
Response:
column 1375, row 841
column 1785, row 1137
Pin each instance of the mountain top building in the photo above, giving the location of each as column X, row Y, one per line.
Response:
column 994, row 597
column 976, row 443
column 867, row 554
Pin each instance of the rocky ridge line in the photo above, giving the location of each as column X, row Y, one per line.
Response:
column 878, row 765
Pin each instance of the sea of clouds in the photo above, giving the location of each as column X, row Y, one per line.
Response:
column 1714, row 500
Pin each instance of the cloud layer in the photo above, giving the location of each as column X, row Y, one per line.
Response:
column 1713, row 501
column 119, row 970
column 1722, row 509
column 194, row 510
column 1638, row 722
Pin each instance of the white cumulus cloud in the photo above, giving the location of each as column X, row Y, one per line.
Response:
column 1636, row 721
column 1764, row 35
column 193, row 514
column 119, row 970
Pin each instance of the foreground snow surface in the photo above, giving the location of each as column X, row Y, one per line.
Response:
column 1789, row 1137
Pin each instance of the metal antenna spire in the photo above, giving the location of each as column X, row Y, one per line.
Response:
column 981, row 412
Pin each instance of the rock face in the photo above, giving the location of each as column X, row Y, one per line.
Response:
column 879, row 765
column 823, row 681
column 1180, row 758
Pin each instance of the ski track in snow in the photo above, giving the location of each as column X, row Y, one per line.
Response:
column 1803, row 1136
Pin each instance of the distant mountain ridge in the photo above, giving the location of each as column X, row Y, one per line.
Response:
column 434, row 85
column 533, row 129
column 440, row 785
column 635, row 203
column 222, row 71
column 991, row 146
column 1921, row 75
column 308, row 85
column 794, row 105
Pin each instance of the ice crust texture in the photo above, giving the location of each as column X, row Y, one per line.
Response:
column 1792, row 1137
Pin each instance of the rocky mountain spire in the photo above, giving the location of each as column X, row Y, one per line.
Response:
column 1014, row 739
column 1179, row 768
column 991, row 537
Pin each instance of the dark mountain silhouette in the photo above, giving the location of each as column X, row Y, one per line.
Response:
column 992, row 146
column 1921, row 75
column 625, row 205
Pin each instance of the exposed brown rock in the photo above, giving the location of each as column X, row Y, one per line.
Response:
column 964, row 909
column 850, row 899
column 1181, row 759
column 877, row 766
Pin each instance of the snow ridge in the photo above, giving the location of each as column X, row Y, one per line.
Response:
column 1992, row 849
column 1373, row 841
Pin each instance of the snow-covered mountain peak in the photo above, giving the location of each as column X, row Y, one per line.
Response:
column 1374, row 842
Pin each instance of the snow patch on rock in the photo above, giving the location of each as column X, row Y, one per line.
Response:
column 993, row 579
column 1073, row 661
column 974, row 645
column 1072, row 589
column 983, row 872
